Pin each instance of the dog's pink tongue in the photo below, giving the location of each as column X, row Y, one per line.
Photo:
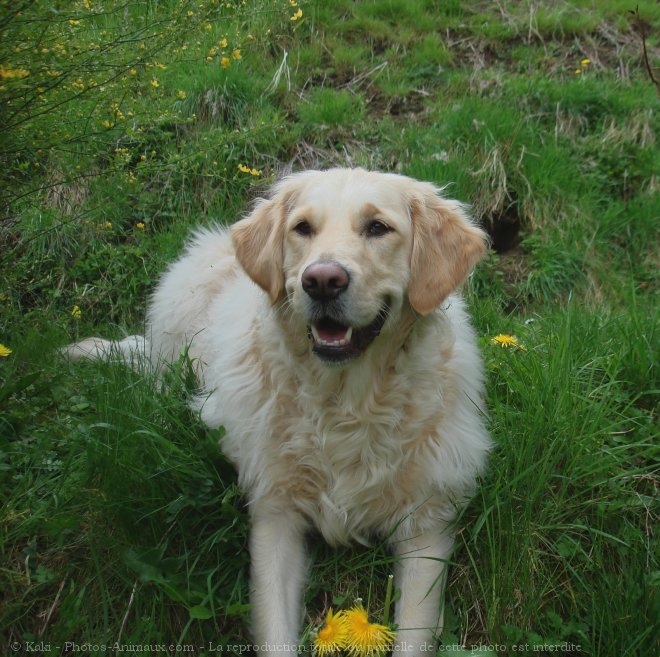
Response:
column 332, row 334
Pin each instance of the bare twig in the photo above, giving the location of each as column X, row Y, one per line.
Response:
column 643, row 28
column 128, row 608
column 52, row 607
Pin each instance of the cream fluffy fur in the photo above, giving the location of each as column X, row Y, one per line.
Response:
column 387, row 444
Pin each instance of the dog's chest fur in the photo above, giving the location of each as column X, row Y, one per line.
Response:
column 347, row 468
column 344, row 447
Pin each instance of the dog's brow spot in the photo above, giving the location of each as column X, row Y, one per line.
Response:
column 370, row 210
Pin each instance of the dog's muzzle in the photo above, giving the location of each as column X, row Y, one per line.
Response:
column 334, row 340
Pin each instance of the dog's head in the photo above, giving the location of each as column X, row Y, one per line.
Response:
column 349, row 249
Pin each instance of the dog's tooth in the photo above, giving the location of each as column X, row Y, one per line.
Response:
column 342, row 342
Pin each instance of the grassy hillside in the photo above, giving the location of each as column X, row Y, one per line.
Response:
column 125, row 125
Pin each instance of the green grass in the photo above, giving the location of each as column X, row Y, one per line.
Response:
column 327, row 109
column 571, row 464
column 120, row 519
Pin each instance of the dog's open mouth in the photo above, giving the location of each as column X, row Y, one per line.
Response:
column 335, row 342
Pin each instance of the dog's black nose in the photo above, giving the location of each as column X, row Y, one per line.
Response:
column 324, row 281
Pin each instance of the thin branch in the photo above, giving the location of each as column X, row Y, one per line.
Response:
column 642, row 28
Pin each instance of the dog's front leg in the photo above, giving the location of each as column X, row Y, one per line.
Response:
column 277, row 550
column 420, row 575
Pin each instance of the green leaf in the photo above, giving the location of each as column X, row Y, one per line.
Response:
column 200, row 612
column 19, row 385
column 238, row 609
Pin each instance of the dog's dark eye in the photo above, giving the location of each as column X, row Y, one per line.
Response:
column 303, row 228
column 377, row 229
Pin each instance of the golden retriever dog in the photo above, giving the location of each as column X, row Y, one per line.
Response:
column 345, row 371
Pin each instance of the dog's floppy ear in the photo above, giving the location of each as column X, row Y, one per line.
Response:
column 259, row 241
column 446, row 246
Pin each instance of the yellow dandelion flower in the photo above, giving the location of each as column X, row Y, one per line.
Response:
column 208, row 26
column 154, row 83
column 332, row 636
column 139, row 225
column 225, row 62
column 133, row 71
column 365, row 639
column 4, row 351
column 585, row 62
column 243, row 168
column 9, row 73
column 507, row 341
column 293, row 3
column 107, row 225
column 106, row 124
column 76, row 313
column 223, row 43
column 578, row 71
column 181, row 94
column 297, row 15
column 236, row 53
column 255, row 172
column 73, row 21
